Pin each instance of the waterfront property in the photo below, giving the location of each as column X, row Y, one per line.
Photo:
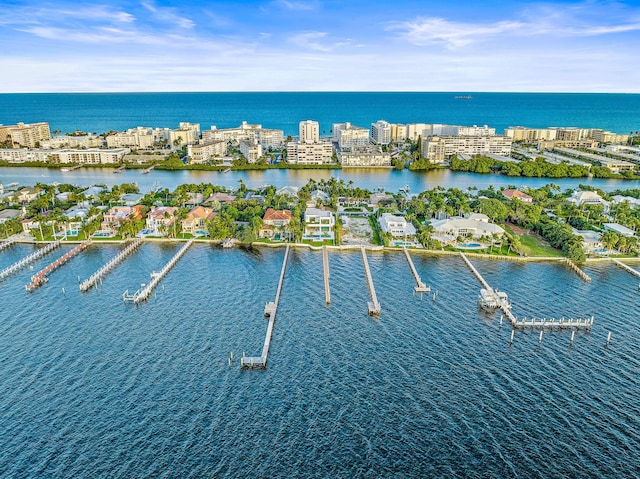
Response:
column 196, row 219
column 319, row 225
column 160, row 219
column 476, row 225
column 398, row 227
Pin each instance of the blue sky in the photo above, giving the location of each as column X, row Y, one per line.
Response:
column 319, row 45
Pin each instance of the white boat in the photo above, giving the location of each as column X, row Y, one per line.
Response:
column 488, row 300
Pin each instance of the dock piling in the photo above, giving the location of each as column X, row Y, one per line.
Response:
column 325, row 266
column 108, row 267
column 40, row 278
column 420, row 286
column 373, row 305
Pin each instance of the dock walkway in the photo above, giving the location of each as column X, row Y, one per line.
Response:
column 325, row 267
column 7, row 243
column 41, row 277
column 420, row 286
column 270, row 309
column 87, row 284
column 373, row 305
column 29, row 259
column 144, row 293
column 503, row 304
column 634, row 272
column 578, row 271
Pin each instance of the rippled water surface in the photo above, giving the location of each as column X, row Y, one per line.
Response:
column 93, row 387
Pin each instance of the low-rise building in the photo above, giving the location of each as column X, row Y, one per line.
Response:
column 268, row 138
column 620, row 229
column 24, row 134
column 204, row 151
column 319, row 225
column 310, row 153
column 251, row 150
column 439, row 149
column 365, row 157
column 113, row 218
column 274, row 222
column 347, row 136
column 9, row 214
column 91, row 156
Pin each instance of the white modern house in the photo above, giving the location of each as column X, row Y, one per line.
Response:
column 397, row 226
column 319, row 225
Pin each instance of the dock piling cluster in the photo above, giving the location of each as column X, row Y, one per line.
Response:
column 575, row 268
column 108, row 267
column 144, row 293
column 40, row 278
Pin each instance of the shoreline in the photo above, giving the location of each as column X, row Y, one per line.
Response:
column 368, row 248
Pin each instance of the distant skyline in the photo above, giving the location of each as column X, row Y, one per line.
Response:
column 319, row 45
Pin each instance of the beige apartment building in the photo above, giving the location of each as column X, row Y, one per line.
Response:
column 25, row 135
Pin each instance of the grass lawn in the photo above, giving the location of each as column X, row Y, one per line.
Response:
column 534, row 245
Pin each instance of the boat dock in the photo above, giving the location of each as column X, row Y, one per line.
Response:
column 71, row 168
column 270, row 309
column 7, row 243
column 29, row 259
column 420, row 286
column 634, row 272
column 145, row 291
column 40, row 278
column 325, row 266
column 575, row 268
column 553, row 323
column 373, row 305
column 87, row 284
column 501, row 302
column 119, row 169
column 148, row 170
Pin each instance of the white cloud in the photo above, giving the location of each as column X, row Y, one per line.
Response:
column 168, row 15
column 317, row 41
column 543, row 19
column 296, row 4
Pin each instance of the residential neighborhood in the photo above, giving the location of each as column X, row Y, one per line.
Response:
column 509, row 221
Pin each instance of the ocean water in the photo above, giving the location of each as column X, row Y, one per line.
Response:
column 93, row 387
column 101, row 112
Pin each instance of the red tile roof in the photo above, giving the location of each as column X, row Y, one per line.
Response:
column 277, row 215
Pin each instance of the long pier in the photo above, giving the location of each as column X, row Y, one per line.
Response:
column 40, row 278
column 575, row 268
column 420, row 286
column 144, row 293
column 270, row 309
column 325, row 268
column 373, row 305
column 29, row 259
column 7, row 243
column 475, row 272
column 634, row 272
column 502, row 303
column 87, row 284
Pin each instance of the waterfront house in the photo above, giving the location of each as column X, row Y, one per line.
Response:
column 25, row 195
column 131, row 199
column 620, row 229
column 196, row 219
column 221, row 198
column 397, row 226
column 319, row 224
column 588, row 198
column 273, row 223
column 8, row 214
column 114, row 217
column 632, row 202
column 591, row 240
column 288, row 191
column 518, row 195
column 160, row 219
column 379, row 199
column 476, row 225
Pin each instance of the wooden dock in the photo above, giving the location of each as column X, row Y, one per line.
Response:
column 373, row 305
column 7, row 243
column 577, row 270
column 143, row 293
column 550, row 324
column 270, row 309
column 29, row 259
column 325, row 266
column 420, row 286
column 41, row 277
column 475, row 272
column 87, row 284
column 634, row 272
column 119, row 169
column 148, row 170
